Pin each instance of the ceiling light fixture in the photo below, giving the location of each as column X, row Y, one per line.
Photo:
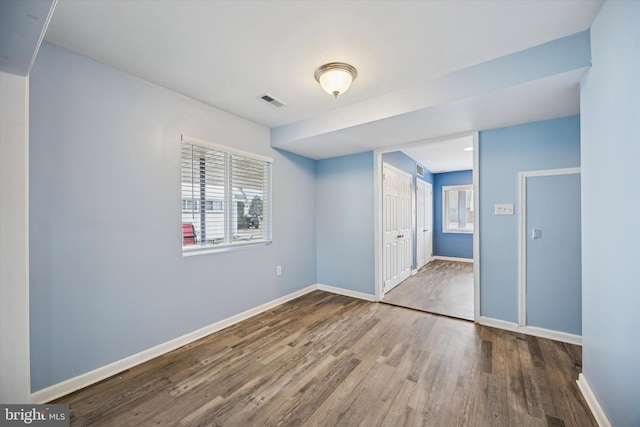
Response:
column 335, row 77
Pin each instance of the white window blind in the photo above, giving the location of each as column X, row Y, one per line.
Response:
column 457, row 209
column 226, row 197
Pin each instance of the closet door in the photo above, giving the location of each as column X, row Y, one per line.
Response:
column 396, row 222
column 424, row 220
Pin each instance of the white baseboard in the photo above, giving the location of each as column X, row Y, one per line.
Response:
column 531, row 330
column 347, row 292
column 72, row 384
column 450, row 258
column 592, row 402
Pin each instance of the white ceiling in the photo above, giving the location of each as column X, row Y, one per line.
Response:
column 444, row 156
column 227, row 53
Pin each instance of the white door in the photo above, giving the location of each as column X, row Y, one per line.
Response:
column 424, row 220
column 396, row 222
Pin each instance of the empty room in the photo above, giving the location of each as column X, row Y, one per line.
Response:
column 208, row 208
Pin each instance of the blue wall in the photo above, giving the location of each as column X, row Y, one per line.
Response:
column 107, row 275
column 458, row 245
column 610, row 105
column 344, row 222
column 405, row 163
column 553, row 276
column 503, row 153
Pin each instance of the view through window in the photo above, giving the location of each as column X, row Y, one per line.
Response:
column 457, row 209
column 226, row 197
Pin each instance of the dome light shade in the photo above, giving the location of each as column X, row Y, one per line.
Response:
column 335, row 78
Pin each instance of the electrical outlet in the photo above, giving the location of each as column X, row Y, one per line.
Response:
column 279, row 270
column 504, row 209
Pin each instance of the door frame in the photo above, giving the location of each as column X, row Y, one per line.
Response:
column 522, row 233
column 377, row 216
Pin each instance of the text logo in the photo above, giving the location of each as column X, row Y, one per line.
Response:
column 34, row 415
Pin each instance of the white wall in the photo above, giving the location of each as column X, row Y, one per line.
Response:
column 14, row 237
column 610, row 150
column 108, row 279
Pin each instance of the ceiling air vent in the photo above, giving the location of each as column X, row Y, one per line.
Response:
column 271, row 100
column 419, row 170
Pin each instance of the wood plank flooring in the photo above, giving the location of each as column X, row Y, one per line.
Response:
column 331, row 360
column 442, row 287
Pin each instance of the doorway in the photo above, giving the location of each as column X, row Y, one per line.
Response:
column 550, row 251
column 441, row 284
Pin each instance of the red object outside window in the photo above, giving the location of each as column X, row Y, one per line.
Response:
column 188, row 234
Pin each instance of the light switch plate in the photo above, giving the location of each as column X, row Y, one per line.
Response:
column 504, row 209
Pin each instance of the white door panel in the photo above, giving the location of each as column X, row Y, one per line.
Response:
column 424, row 219
column 396, row 219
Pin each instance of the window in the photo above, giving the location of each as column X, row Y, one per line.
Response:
column 457, row 209
column 226, row 197
column 191, row 205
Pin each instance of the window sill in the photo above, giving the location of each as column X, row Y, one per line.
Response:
column 228, row 248
column 457, row 231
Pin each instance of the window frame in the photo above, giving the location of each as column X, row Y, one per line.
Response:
column 267, row 219
column 445, row 214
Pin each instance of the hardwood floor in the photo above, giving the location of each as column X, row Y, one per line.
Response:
column 442, row 287
column 331, row 360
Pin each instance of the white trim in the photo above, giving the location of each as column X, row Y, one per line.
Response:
column 445, row 217
column 548, row 172
column 552, row 335
column 220, row 147
column 225, row 248
column 592, row 402
column 14, row 238
column 522, row 233
column 476, row 226
column 347, row 292
column 531, row 330
column 72, row 384
column 522, row 249
column 451, row 258
column 497, row 323
column 377, row 224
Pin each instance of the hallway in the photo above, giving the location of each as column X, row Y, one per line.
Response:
column 441, row 287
